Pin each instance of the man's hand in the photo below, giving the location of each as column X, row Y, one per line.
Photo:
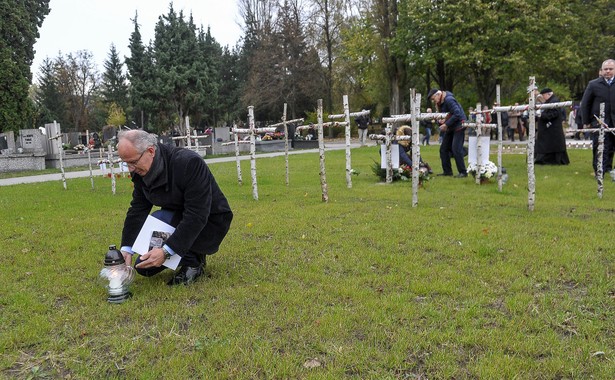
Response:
column 443, row 128
column 127, row 258
column 153, row 258
column 587, row 126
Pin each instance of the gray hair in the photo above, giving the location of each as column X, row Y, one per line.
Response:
column 607, row 61
column 140, row 139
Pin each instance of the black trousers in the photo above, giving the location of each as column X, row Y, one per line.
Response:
column 607, row 157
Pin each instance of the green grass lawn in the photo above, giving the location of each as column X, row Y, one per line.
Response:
column 469, row 284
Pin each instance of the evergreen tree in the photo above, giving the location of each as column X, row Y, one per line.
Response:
column 139, row 69
column 19, row 25
column 48, row 99
column 178, row 85
column 210, row 52
column 231, row 85
column 114, row 89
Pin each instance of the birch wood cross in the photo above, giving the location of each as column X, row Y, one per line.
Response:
column 58, row 139
column 346, row 116
column 285, row 124
column 531, row 107
column 188, row 137
column 109, row 160
column 252, row 131
column 480, row 128
column 89, row 149
column 415, row 117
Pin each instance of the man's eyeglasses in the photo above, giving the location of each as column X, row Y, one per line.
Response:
column 134, row 163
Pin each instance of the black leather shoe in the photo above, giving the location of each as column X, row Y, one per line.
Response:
column 186, row 275
column 462, row 175
column 444, row 175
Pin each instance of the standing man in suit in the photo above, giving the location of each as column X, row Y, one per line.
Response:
column 601, row 90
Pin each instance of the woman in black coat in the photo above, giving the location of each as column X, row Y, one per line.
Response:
column 550, row 140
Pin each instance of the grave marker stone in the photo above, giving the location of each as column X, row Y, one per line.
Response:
column 32, row 141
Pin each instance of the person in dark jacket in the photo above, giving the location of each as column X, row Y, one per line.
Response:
column 405, row 148
column 452, row 130
column 362, row 125
column 601, row 90
column 427, row 126
column 181, row 184
column 550, row 139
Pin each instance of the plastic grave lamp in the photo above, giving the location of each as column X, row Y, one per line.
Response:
column 116, row 277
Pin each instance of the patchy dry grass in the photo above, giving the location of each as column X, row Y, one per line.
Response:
column 467, row 285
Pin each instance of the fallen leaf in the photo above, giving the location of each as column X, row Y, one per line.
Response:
column 312, row 363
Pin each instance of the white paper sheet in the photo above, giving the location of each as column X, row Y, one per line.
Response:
column 142, row 243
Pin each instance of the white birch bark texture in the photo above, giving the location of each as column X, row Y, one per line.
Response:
column 602, row 129
column 479, row 145
column 285, row 123
column 347, row 136
column 321, row 153
column 600, row 154
column 238, row 162
column 187, row 136
column 388, row 140
column 58, row 139
column 87, row 138
column 111, row 165
column 527, row 107
column 415, row 106
column 389, row 137
column 531, row 176
column 408, row 117
column 346, row 116
column 500, row 132
column 186, row 140
column 253, row 152
column 285, row 142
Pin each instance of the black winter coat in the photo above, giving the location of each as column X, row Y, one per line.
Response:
column 598, row 91
column 187, row 187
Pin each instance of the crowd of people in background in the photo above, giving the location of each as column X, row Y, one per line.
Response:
column 550, row 143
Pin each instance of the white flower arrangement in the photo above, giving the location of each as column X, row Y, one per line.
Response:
column 487, row 170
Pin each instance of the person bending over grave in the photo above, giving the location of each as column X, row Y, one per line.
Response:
column 452, row 130
column 550, row 139
column 405, row 149
column 179, row 182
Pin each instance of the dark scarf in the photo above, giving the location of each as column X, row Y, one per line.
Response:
column 155, row 171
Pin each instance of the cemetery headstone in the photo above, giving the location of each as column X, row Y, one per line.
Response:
column 32, row 141
column 7, row 142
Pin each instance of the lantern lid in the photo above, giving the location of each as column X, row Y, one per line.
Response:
column 114, row 257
